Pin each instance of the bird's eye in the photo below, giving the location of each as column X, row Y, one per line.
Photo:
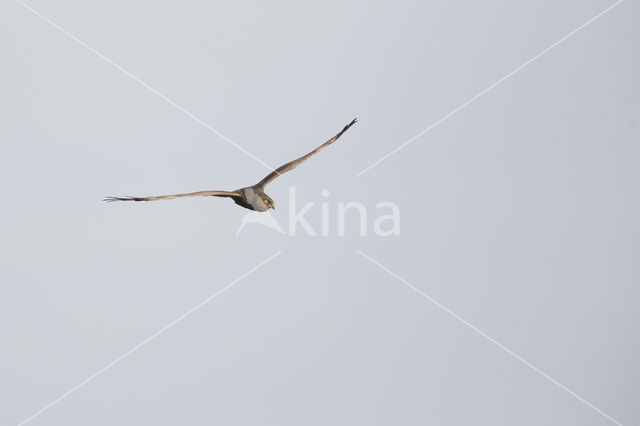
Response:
column 266, row 201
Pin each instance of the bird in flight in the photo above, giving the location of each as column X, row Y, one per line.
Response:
column 250, row 197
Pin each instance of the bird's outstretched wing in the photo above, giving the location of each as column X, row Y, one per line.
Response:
column 295, row 163
column 167, row 197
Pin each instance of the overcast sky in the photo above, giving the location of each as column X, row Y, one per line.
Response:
column 509, row 297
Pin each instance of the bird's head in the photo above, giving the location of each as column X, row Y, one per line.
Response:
column 268, row 201
column 258, row 199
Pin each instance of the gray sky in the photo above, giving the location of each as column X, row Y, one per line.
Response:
column 518, row 214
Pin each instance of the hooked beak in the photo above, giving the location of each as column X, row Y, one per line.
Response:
column 272, row 206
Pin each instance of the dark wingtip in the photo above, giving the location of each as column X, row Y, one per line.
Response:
column 354, row 121
column 112, row 199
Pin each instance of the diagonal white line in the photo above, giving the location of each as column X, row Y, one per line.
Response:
column 138, row 80
column 489, row 88
column 486, row 336
column 145, row 341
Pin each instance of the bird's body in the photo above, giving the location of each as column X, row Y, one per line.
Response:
column 253, row 199
column 250, row 197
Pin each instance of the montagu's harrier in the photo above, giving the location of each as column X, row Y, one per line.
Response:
column 251, row 197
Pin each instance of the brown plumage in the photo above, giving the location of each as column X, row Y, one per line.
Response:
column 251, row 197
